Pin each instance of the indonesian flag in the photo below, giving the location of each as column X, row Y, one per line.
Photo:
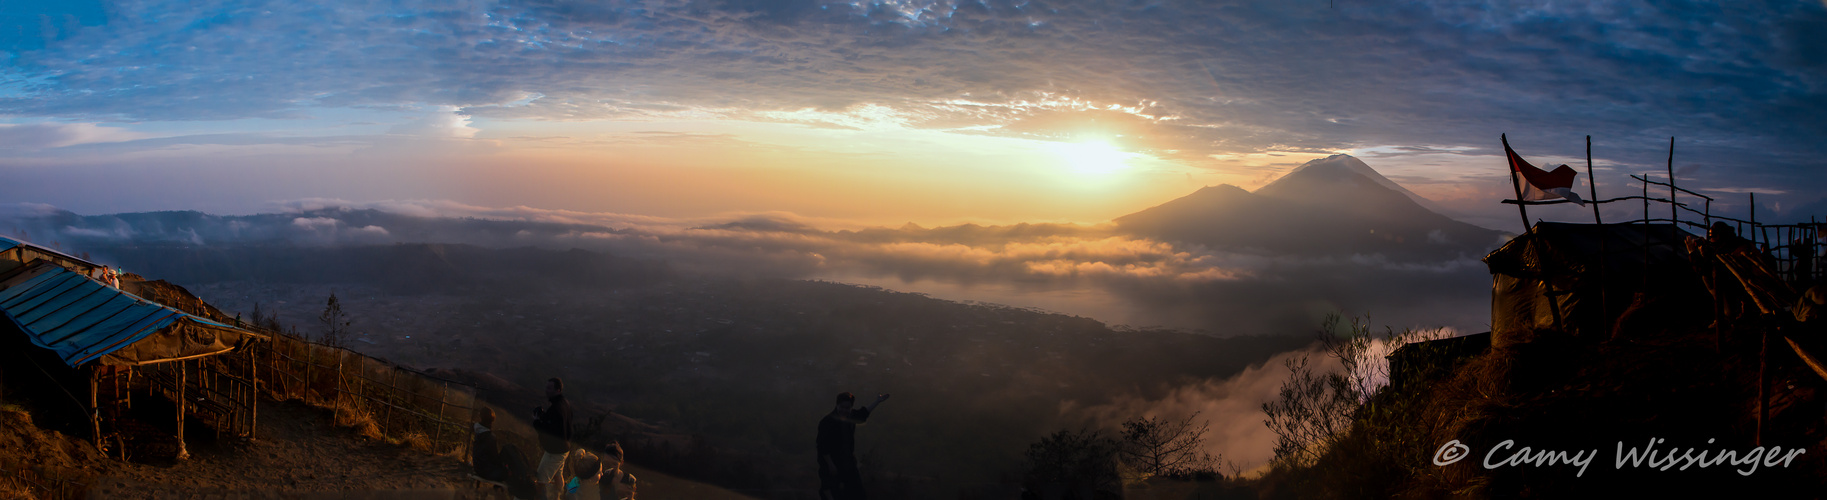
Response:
column 1539, row 185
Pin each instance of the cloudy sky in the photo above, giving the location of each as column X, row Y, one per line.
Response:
column 885, row 112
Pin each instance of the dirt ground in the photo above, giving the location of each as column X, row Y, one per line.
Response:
column 298, row 454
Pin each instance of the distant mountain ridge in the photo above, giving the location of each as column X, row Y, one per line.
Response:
column 1331, row 206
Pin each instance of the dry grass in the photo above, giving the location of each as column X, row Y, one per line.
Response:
column 415, row 440
column 356, row 417
column 10, row 488
column 350, row 414
column 19, row 412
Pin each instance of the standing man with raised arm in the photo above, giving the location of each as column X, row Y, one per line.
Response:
column 838, row 478
column 554, row 425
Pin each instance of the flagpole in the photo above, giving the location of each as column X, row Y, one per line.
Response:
column 1517, row 185
column 1592, row 183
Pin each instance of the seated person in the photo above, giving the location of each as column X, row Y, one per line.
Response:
column 500, row 463
column 621, row 484
column 593, row 472
column 587, row 472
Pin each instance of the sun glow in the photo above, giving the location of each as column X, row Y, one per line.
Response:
column 1092, row 157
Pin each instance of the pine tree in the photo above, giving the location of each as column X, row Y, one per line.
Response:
column 336, row 323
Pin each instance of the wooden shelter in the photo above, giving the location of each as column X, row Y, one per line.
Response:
column 1579, row 278
column 121, row 343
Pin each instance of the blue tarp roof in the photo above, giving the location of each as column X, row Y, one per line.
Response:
column 82, row 319
column 7, row 243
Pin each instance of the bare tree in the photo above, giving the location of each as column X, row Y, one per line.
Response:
column 1314, row 409
column 1071, row 464
column 336, row 323
column 1160, row 447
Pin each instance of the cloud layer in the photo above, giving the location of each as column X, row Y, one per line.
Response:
column 1087, row 270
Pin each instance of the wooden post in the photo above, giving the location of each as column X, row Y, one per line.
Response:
column 1592, row 185
column 182, row 379
column 1673, row 216
column 1763, row 399
column 339, row 372
column 438, row 434
column 393, row 377
column 310, row 362
column 126, row 388
column 1645, row 245
column 94, row 408
column 253, row 405
column 1769, row 245
column 465, row 442
column 1763, row 381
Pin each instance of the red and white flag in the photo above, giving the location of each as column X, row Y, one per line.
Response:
column 1539, row 185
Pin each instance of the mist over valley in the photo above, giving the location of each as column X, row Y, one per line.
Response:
column 731, row 335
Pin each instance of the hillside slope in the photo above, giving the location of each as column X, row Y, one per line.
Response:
column 299, row 450
column 1600, row 399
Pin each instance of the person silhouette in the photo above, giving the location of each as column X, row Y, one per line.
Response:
column 838, row 477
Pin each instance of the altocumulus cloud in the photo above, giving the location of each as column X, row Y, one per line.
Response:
column 1741, row 80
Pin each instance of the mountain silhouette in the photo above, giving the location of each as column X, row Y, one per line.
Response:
column 1331, row 206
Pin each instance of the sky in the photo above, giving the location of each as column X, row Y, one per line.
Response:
column 886, row 112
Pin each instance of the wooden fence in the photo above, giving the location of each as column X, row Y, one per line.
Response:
column 405, row 404
column 220, row 390
column 1795, row 249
